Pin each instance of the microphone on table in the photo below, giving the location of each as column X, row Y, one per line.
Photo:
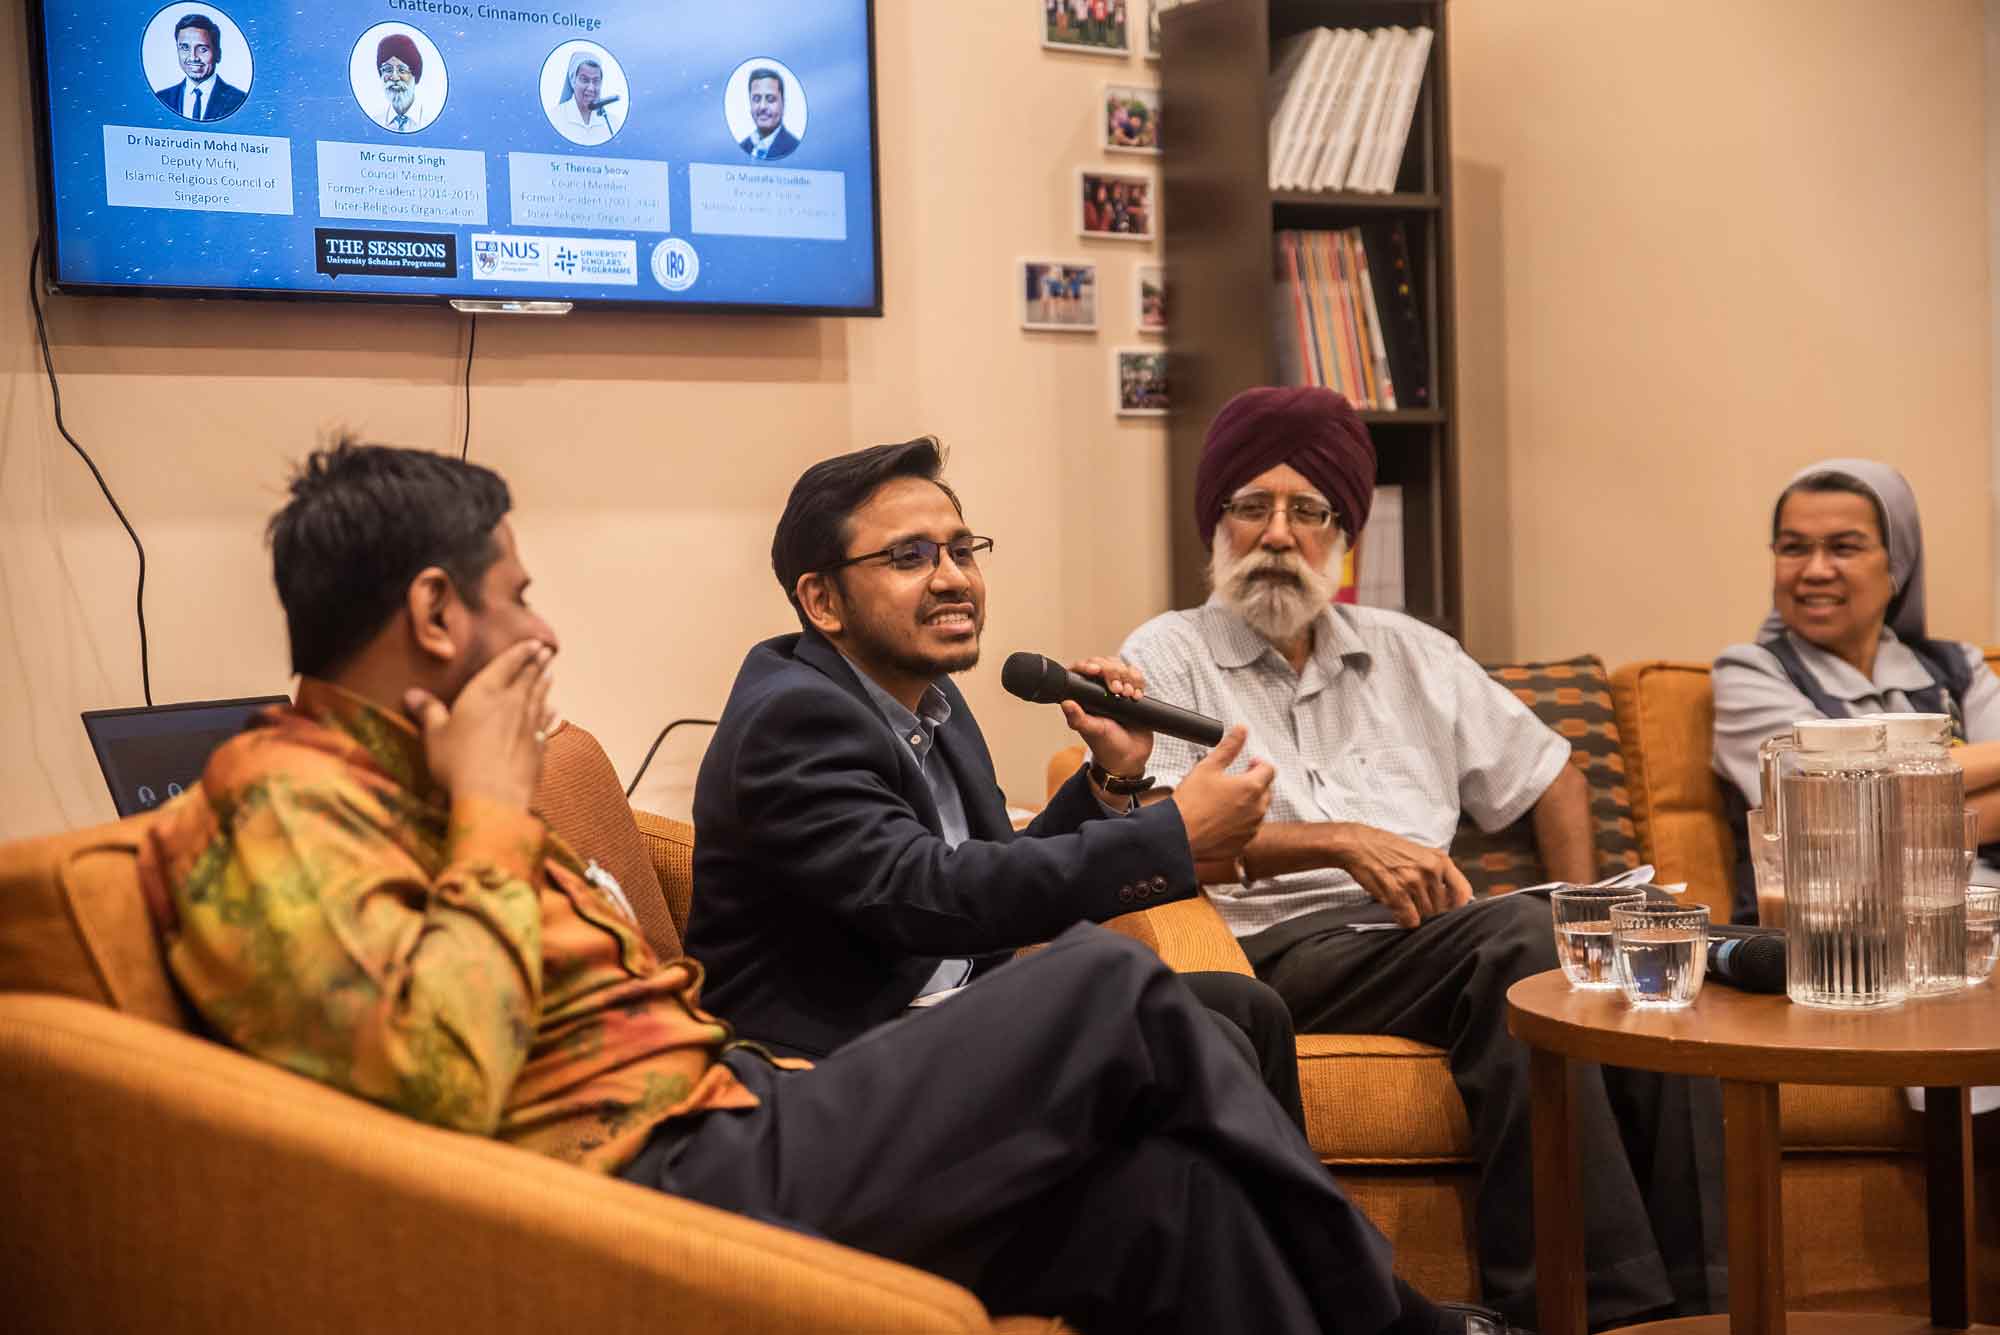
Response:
column 1749, row 958
column 1045, row 681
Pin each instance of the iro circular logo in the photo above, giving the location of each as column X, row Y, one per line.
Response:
column 675, row 264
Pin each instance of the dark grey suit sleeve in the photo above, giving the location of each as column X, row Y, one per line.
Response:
column 818, row 779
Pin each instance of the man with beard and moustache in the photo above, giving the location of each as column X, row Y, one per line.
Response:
column 359, row 891
column 401, row 67
column 1383, row 731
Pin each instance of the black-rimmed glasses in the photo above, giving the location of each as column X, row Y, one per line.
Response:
column 922, row 554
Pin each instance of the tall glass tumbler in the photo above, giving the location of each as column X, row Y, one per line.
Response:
column 1982, row 932
column 1841, row 826
column 1583, row 933
column 1930, row 790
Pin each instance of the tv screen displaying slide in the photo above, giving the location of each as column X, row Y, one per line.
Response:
column 667, row 154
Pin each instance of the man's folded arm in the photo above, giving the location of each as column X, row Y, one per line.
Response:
column 313, row 941
column 810, row 783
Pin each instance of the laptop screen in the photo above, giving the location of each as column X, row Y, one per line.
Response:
column 150, row 754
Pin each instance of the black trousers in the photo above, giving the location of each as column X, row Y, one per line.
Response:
column 1071, row 1137
column 1254, row 1020
column 1650, row 1145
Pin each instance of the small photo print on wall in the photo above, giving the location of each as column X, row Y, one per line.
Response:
column 1096, row 26
column 1115, row 204
column 1149, row 291
column 1155, row 8
column 1139, row 378
column 1058, row 294
column 1131, row 118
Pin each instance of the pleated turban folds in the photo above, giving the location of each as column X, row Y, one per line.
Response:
column 1314, row 430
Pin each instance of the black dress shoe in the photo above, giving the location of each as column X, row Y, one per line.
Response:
column 1475, row 1320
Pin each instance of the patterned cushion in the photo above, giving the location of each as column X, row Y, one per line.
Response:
column 1574, row 698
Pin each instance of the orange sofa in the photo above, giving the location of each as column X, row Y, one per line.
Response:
column 155, row 1181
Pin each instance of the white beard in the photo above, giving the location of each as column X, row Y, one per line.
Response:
column 402, row 98
column 1280, row 610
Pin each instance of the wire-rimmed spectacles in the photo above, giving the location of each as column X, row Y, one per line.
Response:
column 1255, row 511
column 916, row 554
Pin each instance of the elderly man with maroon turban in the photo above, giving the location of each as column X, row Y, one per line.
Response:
column 1383, row 731
column 400, row 66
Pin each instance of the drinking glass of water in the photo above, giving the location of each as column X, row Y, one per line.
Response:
column 1982, row 932
column 1660, row 953
column 1583, row 932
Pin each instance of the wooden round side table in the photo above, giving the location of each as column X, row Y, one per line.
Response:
column 1754, row 1044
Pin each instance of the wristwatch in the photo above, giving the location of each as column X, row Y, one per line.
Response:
column 1118, row 784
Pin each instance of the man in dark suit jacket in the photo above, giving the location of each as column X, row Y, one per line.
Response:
column 202, row 95
column 853, row 855
column 770, row 140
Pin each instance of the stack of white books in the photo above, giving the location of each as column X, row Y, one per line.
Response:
column 1342, row 102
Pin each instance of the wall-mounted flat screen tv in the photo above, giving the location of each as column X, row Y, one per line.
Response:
column 664, row 154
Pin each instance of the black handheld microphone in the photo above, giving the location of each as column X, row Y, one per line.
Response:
column 1749, row 958
column 1047, row 682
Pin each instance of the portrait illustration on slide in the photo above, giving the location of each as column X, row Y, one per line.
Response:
column 398, row 77
column 766, row 109
column 584, row 93
column 196, row 62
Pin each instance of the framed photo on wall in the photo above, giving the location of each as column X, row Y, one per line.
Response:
column 1059, row 295
column 1149, row 294
column 1154, row 8
column 1096, row 26
column 1139, row 381
column 1131, row 118
column 1122, row 206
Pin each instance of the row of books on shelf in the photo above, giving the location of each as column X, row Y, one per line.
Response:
column 1343, row 100
column 1371, row 573
column 1347, row 316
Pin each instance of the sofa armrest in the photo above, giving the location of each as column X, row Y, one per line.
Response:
column 670, row 844
column 155, row 1181
column 1188, row 934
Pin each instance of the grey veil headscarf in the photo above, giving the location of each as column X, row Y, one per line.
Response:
column 1905, row 540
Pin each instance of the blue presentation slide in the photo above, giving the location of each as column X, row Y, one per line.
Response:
column 637, row 151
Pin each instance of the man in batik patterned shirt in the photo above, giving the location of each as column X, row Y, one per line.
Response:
column 357, row 890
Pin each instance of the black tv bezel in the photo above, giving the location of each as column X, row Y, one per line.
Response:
column 46, row 210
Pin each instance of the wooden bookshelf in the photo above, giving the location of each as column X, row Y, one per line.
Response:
column 1220, row 218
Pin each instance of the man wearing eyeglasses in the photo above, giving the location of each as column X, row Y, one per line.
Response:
column 853, row 853
column 1347, row 902
column 400, row 66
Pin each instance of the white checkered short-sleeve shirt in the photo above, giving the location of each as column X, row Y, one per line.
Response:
column 1391, row 724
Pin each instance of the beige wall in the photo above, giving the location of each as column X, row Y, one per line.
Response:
column 1699, row 244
